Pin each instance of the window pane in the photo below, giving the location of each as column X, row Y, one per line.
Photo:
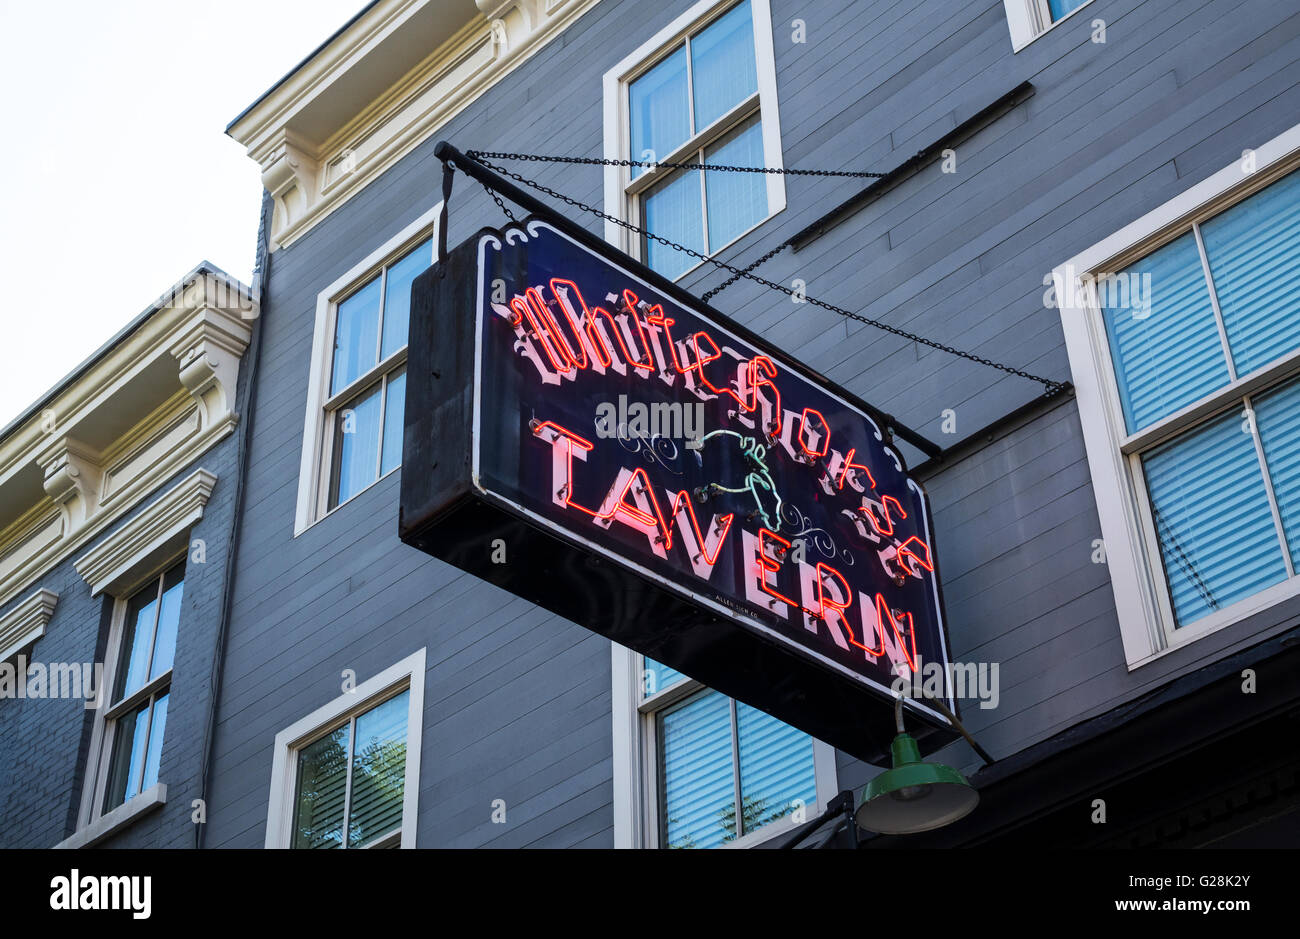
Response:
column 659, row 110
column 1060, row 8
column 397, row 296
column 322, row 787
column 168, row 619
column 722, row 65
column 356, row 336
column 1278, row 417
column 1212, row 518
column 157, row 724
column 658, row 678
column 672, row 211
column 128, row 757
column 133, row 664
column 1163, row 335
column 699, row 788
column 737, row 201
column 378, row 771
column 356, row 445
column 776, row 768
column 1254, row 252
column 394, row 408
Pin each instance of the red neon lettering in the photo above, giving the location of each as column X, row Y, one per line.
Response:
column 701, row 361
column 723, row 527
column 767, row 565
column 825, row 435
column 849, row 464
column 911, row 546
column 755, row 380
column 885, row 614
column 881, row 529
column 569, row 285
column 632, row 302
column 666, row 323
column 571, row 440
column 824, row 602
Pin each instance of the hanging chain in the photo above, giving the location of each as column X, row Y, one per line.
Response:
column 497, row 199
column 1051, row 387
column 708, row 294
column 481, row 155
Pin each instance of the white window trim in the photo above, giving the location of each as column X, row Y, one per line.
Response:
column 91, row 817
column 618, row 202
column 635, row 763
column 1029, row 19
column 121, row 817
column 1133, row 560
column 406, row 675
column 313, row 471
column 134, row 554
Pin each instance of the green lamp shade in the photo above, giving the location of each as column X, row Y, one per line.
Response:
column 914, row 796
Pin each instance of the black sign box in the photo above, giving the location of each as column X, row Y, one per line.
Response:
column 586, row 435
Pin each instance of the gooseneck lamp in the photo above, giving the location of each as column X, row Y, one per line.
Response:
column 914, row 795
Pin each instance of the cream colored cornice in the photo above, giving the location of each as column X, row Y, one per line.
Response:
column 158, row 530
column 319, row 143
column 26, row 622
column 133, row 417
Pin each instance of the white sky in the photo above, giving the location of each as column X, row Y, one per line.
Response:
column 117, row 176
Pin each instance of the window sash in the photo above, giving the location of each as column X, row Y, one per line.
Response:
column 350, row 722
column 378, row 379
column 650, row 708
column 1237, row 394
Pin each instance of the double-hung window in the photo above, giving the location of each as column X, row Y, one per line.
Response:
column 136, row 715
column 357, row 389
column 346, row 776
column 1029, row 19
column 704, row 754
column 1187, row 353
column 703, row 91
column 367, row 388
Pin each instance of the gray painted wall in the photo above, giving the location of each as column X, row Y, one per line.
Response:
column 44, row 742
column 517, row 703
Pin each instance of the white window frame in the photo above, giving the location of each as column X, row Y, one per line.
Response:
column 107, row 714
column 636, row 769
column 406, row 675
column 135, row 553
column 622, row 193
column 1132, row 550
column 318, row 438
column 1029, row 19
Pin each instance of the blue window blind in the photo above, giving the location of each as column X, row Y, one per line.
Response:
column 1212, row 517
column 673, row 211
column 723, row 71
column 699, row 788
column 1061, row 8
column 701, row 770
column 1165, row 346
column 776, row 768
column 1278, row 416
column 1254, row 254
column 736, row 201
column 659, row 110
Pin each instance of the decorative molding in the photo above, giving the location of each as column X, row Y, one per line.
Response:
column 319, row 140
column 114, row 821
column 26, row 622
column 153, row 532
column 64, row 480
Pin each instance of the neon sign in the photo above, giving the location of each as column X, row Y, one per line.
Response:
column 783, row 555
